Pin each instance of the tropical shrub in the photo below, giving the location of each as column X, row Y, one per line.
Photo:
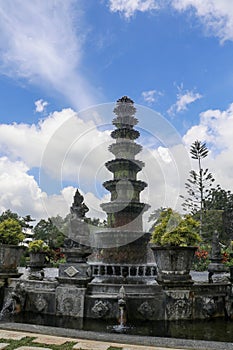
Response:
column 38, row 246
column 174, row 230
column 11, row 232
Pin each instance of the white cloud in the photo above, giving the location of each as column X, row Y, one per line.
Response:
column 65, row 149
column 216, row 15
column 42, row 42
column 60, row 140
column 21, row 193
column 166, row 170
column 40, row 105
column 18, row 190
column 27, row 142
column 129, row 7
column 151, row 96
column 184, row 98
column 215, row 128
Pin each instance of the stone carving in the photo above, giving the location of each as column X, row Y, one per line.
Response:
column 101, row 308
column 78, row 236
column 89, row 271
column 216, row 249
column 179, row 309
column 40, row 303
column 216, row 268
column 68, row 305
column 70, row 301
column 78, row 208
column 71, row 271
column 209, row 308
column 146, row 310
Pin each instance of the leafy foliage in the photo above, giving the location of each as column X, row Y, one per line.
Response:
column 50, row 231
column 172, row 229
column 154, row 216
column 199, row 184
column 219, row 199
column 23, row 221
column 11, row 232
column 38, row 246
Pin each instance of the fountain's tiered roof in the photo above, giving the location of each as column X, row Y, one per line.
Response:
column 125, row 189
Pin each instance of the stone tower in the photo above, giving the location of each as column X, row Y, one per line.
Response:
column 124, row 242
column 125, row 209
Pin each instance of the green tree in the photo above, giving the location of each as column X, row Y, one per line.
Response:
column 219, row 199
column 219, row 214
column 27, row 220
column 199, row 184
column 49, row 232
column 8, row 214
column 23, row 221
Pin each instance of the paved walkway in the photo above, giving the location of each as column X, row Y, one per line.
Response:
column 47, row 340
column 33, row 337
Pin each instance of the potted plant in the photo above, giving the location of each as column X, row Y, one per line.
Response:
column 11, row 236
column 173, row 242
column 38, row 250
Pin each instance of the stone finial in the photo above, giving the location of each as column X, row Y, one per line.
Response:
column 125, row 99
column 78, row 208
column 124, row 107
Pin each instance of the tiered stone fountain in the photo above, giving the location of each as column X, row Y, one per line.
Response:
column 123, row 246
column 120, row 281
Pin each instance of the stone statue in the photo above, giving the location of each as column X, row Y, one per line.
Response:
column 78, row 229
column 78, row 208
column 216, row 267
column 216, row 249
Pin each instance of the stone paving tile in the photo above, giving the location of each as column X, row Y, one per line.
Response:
column 48, row 339
column 141, row 347
column 3, row 345
column 31, row 348
column 91, row 345
column 12, row 335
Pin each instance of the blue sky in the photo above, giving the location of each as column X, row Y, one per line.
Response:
column 63, row 64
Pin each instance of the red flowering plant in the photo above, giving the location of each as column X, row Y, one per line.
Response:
column 201, row 258
column 227, row 255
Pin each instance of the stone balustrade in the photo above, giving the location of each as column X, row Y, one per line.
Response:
column 126, row 270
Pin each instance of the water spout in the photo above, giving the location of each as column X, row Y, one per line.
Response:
column 122, row 306
column 14, row 302
column 122, row 326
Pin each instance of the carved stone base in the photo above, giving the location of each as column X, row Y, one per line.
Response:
column 217, row 272
column 70, row 301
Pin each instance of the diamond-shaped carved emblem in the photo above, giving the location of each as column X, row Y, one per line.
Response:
column 71, row 271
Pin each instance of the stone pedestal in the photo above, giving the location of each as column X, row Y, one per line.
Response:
column 217, row 270
column 37, row 263
column 77, row 273
column 9, row 259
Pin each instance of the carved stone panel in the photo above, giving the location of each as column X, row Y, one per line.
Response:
column 71, row 271
column 100, row 309
column 146, row 310
column 70, row 301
